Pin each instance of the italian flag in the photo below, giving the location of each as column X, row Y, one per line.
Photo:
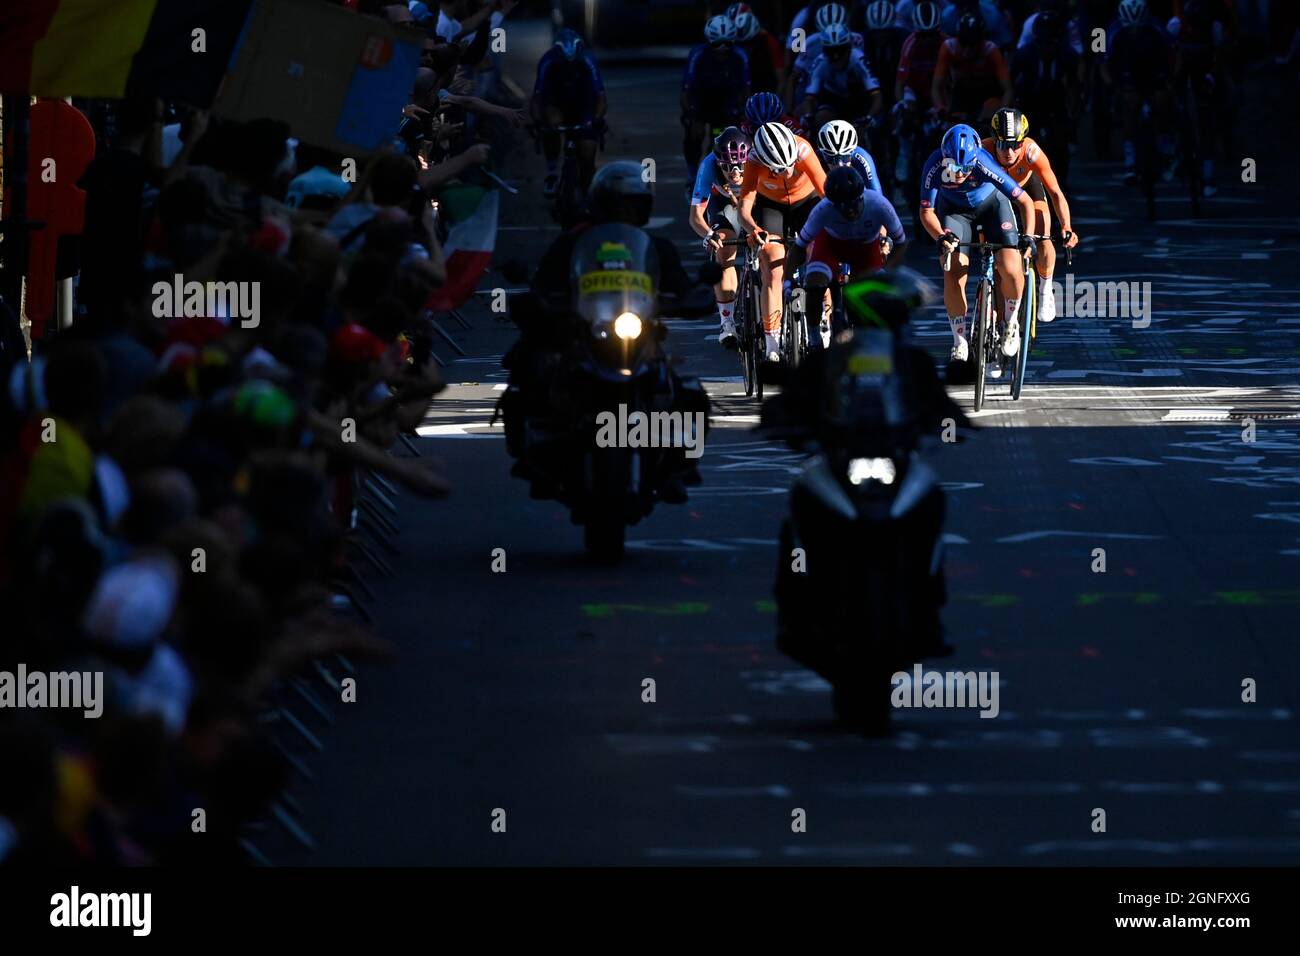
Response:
column 472, row 212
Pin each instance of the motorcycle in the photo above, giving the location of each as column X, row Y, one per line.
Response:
column 585, row 449
column 860, row 582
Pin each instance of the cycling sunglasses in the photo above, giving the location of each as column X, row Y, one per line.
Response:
column 1008, row 145
column 733, row 168
column 721, row 45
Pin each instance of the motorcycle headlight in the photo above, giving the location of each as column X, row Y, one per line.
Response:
column 871, row 469
column 628, row 326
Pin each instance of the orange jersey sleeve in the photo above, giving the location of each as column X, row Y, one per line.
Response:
column 1040, row 164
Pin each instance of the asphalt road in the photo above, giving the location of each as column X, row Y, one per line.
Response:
column 1118, row 690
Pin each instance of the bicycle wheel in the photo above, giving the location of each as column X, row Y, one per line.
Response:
column 1028, row 316
column 744, row 333
column 980, row 337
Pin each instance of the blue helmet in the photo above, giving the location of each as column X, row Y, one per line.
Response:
column 961, row 146
column 764, row 108
column 569, row 43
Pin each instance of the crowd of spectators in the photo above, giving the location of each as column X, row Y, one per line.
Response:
column 175, row 483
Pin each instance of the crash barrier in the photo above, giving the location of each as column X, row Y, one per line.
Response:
column 299, row 711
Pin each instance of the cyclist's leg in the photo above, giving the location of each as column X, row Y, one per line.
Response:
column 552, row 116
column 996, row 217
column 958, row 222
column 822, row 267
column 770, row 217
column 1130, row 108
column 721, row 217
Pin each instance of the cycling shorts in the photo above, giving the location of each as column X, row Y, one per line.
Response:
column 825, row 254
column 722, row 214
column 994, row 215
column 782, row 219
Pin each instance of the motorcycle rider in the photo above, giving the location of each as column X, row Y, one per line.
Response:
column 547, row 315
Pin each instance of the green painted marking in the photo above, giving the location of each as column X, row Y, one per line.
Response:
column 673, row 610
column 765, row 607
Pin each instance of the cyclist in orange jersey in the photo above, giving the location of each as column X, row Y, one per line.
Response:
column 783, row 181
column 1028, row 166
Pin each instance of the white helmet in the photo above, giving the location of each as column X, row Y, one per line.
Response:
column 838, row 138
column 836, row 35
column 925, row 16
column 720, row 30
column 831, row 13
column 880, row 15
column 746, row 23
column 1132, row 12
column 775, row 146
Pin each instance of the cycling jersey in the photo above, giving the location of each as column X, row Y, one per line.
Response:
column 953, row 68
column 1032, row 160
column 883, row 50
column 877, row 211
column 916, row 62
column 765, row 58
column 807, row 178
column 812, row 51
column 860, row 160
column 1197, row 46
column 711, row 74
column 710, row 181
column 1142, row 57
column 574, row 84
column 938, row 187
column 855, row 77
column 1042, row 79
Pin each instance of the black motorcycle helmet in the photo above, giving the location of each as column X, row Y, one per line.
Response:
column 970, row 30
column 620, row 192
column 844, row 186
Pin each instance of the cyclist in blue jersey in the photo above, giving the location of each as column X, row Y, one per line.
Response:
column 841, row 83
column 714, row 218
column 714, row 87
column 962, row 186
column 568, row 92
column 849, row 226
column 1139, row 67
column 837, row 145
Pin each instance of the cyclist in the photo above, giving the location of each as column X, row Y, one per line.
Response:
column 971, row 71
column 808, row 46
column 837, row 144
column 1029, row 168
column 916, row 62
column 714, row 218
column 996, row 23
column 849, row 226
column 1139, row 66
column 783, row 181
column 766, row 60
column 1056, row 9
column 767, row 107
column 568, row 92
column 963, row 187
column 1199, row 39
column 841, row 83
column 883, row 47
column 714, row 87
column 1048, row 76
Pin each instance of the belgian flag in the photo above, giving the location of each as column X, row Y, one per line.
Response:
column 116, row 48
